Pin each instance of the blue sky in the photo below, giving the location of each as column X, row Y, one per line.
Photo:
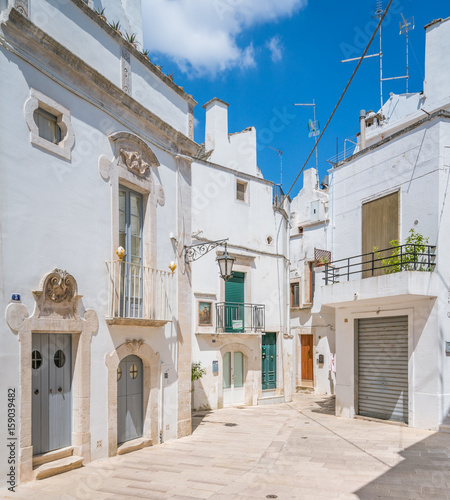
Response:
column 262, row 56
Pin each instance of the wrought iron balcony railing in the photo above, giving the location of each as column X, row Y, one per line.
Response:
column 240, row 318
column 409, row 257
column 139, row 292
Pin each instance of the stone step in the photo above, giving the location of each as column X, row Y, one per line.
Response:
column 271, row 400
column 444, row 428
column 135, row 444
column 305, row 390
column 57, row 467
column 51, row 456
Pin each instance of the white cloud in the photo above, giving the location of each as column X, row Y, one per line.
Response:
column 276, row 48
column 201, row 35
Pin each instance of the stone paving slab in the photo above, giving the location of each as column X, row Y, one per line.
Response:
column 296, row 450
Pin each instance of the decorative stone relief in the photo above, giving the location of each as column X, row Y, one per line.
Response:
column 134, row 162
column 125, row 63
column 22, row 6
column 60, row 286
column 134, row 345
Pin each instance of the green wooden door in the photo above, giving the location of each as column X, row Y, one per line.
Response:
column 269, row 361
column 234, row 303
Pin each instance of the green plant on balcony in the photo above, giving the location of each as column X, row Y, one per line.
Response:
column 145, row 53
column 406, row 257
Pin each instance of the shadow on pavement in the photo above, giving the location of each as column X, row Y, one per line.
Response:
column 198, row 417
column 326, row 406
column 424, row 473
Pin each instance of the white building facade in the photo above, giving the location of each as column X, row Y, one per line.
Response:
column 241, row 326
column 96, row 346
column 391, row 308
column 313, row 332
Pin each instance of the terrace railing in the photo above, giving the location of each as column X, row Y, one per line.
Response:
column 240, row 318
column 409, row 257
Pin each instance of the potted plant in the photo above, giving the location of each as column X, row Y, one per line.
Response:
column 116, row 27
column 145, row 52
column 100, row 13
column 131, row 39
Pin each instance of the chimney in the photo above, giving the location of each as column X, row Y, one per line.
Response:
column 216, row 127
column 362, row 125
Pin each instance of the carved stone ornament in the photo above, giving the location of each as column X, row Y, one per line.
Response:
column 59, row 286
column 134, row 345
column 134, row 162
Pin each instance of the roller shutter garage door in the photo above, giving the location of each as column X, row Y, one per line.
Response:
column 383, row 368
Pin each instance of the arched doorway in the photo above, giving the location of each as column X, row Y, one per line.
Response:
column 233, row 377
column 130, row 399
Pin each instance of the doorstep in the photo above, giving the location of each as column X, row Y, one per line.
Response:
column 135, row 444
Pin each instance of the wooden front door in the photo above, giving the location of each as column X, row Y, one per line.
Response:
column 51, row 362
column 269, row 361
column 307, row 357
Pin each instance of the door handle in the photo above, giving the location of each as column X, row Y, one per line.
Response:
column 59, row 389
column 51, row 391
column 36, row 392
column 271, row 357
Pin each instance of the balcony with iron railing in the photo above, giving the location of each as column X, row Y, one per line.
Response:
column 398, row 270
column 138, row 295
column 233, row 317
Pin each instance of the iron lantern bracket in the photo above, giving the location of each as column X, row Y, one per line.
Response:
column 195, row 252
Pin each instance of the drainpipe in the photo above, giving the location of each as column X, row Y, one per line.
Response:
column 362, row 125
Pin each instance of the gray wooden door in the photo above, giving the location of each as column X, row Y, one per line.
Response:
column 51, row 362
column 130, row 407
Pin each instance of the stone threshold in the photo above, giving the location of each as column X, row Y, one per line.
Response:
column 55, row 462
column 133, row 445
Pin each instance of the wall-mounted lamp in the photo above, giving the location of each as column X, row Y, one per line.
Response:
column 225, row 261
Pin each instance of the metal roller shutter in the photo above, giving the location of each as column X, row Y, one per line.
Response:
column 383, row 368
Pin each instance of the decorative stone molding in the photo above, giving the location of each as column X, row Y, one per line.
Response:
column 125, row 64
column 56, row 311
column 152, row 376
column 134, row 162
column 22, row 6
column 39, row 100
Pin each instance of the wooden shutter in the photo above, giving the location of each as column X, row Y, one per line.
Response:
column 379, row 226
column 234, row 288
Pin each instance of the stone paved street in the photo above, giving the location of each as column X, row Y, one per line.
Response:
column 294, row 451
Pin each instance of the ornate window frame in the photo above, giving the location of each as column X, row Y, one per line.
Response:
column 39, row 100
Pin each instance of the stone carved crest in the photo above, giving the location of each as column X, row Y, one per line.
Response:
column 134, row 162
column 134, row 345
column 59, row 286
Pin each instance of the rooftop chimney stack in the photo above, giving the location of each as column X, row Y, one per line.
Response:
column 362, row 125
column 216, row 128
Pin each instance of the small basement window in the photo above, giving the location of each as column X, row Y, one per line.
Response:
column 300, row 230
column 241, row 191
column 47, row 125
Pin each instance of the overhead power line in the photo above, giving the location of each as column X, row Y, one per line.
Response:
column 342, row 95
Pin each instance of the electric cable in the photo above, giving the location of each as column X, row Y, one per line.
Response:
column 342, row 95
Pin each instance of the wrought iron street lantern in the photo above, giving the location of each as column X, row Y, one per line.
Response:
column 225, row 265
column 225, row 261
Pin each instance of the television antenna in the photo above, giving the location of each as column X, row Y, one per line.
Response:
column 314, row 130
column 408, row 25
column 280, row 154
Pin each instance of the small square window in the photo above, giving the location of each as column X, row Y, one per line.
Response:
column 241, row 191
column 300, row 230
column 47, row 125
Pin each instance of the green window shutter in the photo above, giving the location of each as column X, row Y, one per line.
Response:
column 234, row 288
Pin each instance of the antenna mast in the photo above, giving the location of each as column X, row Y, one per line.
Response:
column 280, row 154
column 407, row 25
column 379, row 14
